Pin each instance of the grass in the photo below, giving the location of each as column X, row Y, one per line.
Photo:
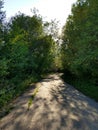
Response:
column 86, row 86
column 32, row 97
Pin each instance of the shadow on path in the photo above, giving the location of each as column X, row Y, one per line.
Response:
column 57, row 106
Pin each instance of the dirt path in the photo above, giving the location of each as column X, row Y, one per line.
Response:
column 57, row 106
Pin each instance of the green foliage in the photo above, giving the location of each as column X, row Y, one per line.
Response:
column 18, row 59
column 3, row 68
column 26, row 52
column 25, row 28
column 80, row 48
column 2, row 16
column 80, row 40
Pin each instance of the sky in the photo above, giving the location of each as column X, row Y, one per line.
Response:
column 48, row 9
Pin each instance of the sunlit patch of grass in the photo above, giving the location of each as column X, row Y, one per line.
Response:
column 33, row 96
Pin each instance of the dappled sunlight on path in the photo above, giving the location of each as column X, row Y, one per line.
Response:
column 57, row 106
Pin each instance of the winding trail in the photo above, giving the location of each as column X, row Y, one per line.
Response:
column 57, row 106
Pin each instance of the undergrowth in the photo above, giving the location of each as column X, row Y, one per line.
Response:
column 84, row 85
column 19, row 88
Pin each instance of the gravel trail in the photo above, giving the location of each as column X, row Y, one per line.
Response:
column 57, row 106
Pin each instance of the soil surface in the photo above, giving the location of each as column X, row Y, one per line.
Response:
column 56, row 106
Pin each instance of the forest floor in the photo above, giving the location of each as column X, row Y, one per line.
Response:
column 56, row 106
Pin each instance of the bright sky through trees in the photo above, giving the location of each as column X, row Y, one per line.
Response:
column 49, row 9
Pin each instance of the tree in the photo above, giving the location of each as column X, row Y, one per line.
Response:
column 2, row 16
column 80, row 37
column 52, row 28
column 26, row 52
column 25, row 27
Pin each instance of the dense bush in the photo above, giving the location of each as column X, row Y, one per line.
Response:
column 80, row 40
